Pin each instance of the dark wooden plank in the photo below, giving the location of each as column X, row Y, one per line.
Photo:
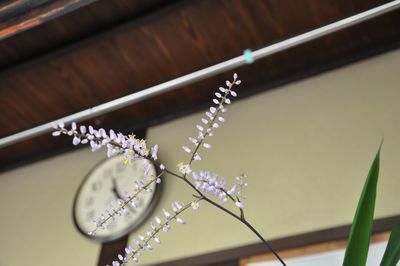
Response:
column 23, row 15
column 169, row 41
column 109, row 251
column 72, row 27
column 9, row 9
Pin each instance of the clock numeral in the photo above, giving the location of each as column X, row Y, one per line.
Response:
column 120, row 168
column 89, row 201
column 107, row 173
column 112, row 226
column 90, row 215
column 134, row 166
column 128, row 214
column 96, row 186
column 139, row 203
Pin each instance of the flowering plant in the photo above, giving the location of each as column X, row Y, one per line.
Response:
column 211, row 188
column 207, row 186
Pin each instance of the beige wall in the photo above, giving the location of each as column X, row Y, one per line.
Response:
column 306, row 148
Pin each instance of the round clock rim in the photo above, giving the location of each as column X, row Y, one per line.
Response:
column 151, row 207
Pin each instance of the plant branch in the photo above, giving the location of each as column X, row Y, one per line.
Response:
column 211, row 123
column 246, row 223
column 142, row 246
column 239, row 218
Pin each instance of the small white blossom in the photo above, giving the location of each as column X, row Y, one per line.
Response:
column 129, row 250
column 76, row 140
column 180, row 221
column 197, row 157
column 82, row 129
column 56, row 133
column 154, row 151
column 239, row 204
column 206, row 145
column 167, row 214
column 186, row 149
column 184, row 168
column 193, row 140
column 195, row 205
column 232, row 191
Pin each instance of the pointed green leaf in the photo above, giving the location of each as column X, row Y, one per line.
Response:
column 392, row 252
column 360, row 232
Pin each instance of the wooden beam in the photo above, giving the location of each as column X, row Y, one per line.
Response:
column 109, row 251
column 20, row 15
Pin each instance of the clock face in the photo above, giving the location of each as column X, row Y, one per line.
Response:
column 106, row 183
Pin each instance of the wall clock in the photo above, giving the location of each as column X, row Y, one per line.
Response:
column 105, row 183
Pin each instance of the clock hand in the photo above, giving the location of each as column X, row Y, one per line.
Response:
column 119, row 196
column 114, row 188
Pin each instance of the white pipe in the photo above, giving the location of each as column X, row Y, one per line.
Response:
column 201, row 74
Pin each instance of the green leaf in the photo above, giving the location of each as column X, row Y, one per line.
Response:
column 360, row 232
column 392, row 252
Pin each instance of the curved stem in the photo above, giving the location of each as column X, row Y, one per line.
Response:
column 263, row 240
column 246, row 223
column 239, row 218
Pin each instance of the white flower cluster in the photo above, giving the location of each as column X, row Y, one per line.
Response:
column 108, row 217
column 157, row 225
column 184, row 168
column 212, row 119
column 209, row 182
column 204, row 182
column 116, row 143
column 239, row 186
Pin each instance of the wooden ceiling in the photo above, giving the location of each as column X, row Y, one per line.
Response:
column 106, row 49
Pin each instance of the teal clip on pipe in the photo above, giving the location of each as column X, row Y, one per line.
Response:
column 248, row 56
